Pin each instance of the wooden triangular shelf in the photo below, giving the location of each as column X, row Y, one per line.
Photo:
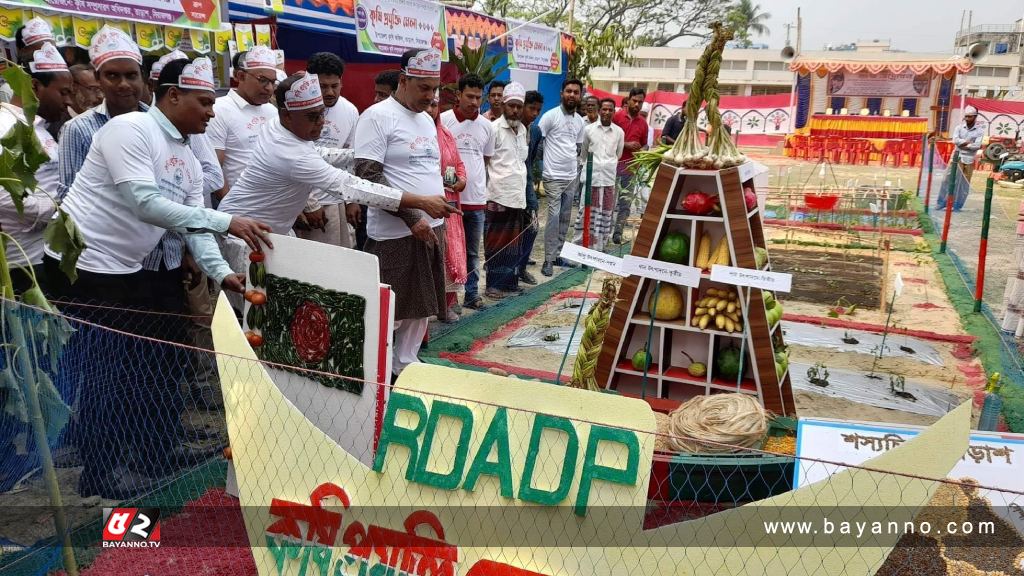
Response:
column 630, row 323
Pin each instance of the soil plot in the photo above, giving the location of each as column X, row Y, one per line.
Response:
column 823, row 277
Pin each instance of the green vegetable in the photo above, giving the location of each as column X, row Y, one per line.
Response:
column 727, row 362
column 674, row 248
column 641, row 360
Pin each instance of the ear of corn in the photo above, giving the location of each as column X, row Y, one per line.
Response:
column 703, row 251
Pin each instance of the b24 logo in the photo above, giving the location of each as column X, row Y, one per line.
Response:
column 131, row 527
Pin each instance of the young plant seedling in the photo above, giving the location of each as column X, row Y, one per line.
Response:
column 818, row 375
column 897, row 385
column 847, row 339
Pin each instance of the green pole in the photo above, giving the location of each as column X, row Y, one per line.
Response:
column 979, row 288
column 586, row 201
column 931, row 169
column 954, row 165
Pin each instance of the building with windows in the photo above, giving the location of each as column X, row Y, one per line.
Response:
column 753, row 72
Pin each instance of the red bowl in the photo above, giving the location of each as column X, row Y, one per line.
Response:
column 824, row 202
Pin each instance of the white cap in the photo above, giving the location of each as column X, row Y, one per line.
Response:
column 36, row 30
column 158, row 66
column 196, row 75
column 304, row 93
column 970, row 111
column 514, row 91
column 112, row 44
column 47, row 59
column 425, row 64
column 259, row 57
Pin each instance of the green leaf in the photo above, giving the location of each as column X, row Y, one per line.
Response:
column 21, row 84
column 55, row 412
column 63, row 236
column 22, row 156
column 15, row 405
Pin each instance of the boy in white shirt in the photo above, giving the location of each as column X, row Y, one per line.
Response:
column 474, row 136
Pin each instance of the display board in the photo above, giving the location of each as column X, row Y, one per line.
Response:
column 458, row 443
column 201, row 14
column 534, row 47
column 992, row 459
column 394, row 26
column 882, row 84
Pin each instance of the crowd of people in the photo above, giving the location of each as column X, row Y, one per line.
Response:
column 172, row 186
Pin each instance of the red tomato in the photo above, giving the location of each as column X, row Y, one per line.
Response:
column 257, row 298
column 255, row 340
column 257, row 256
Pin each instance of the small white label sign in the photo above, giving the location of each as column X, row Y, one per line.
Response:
column 898, row 284
column 775, row 281
column 592, row 258
column 664, row 271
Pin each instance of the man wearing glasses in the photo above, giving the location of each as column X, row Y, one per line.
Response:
column 87, row 89
column 241, row 114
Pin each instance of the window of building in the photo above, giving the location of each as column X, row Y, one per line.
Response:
column 666, row 86
column 734, row 64
column 656, row 63
column 771, row 66
column 625, row 87
column 768, row 90
column 990, row 71
column 728, row 89
column 691, row 64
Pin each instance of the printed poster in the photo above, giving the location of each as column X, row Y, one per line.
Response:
column 200, row 41
column 122, row 25
column 149, row 36
column 172, row 37
column 203, row 14
column 881, row 85
column 262, row 34
column 394, row 26
column 472, row 28
column 992, row 459
column 534, row 47
column 85, row 29
column 221, row 40
column 244, row 37
column 10, row 20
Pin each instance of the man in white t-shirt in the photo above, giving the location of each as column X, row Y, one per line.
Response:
column 475, row 138
column 285, row 167
column 52, row 86
column 396, row 144
column 506, row 195
column 326, row 219
column 242, row 113
column 561, row 129
column 140, row 179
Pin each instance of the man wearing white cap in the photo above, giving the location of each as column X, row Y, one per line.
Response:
column 506, row 195
column 30, row 38
column 285, row 166
column 967, row 138
column 338, row 132
column 140, row 179
column 51, row 84
column 241, row 114
column 475, row 138
column 396, row 144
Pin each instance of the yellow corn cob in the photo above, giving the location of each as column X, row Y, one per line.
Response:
column 703, row 251
column 721, row 255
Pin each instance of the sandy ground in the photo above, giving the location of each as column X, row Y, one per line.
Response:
column 922, row 305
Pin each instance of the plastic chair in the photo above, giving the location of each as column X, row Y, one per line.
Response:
column 799, row 145
column 834, row 148
column 864, row 150
column 893, row 150
column 816, row 148
column 912, row 148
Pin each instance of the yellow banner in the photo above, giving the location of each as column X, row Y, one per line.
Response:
column 10, row 20
column 85, row 29
column 200, row 41
column 262, row 34
column 67, row 25
column 243, row 37
column 172, row 37
column 122, row 25
column 149, row 36
column 220, row 41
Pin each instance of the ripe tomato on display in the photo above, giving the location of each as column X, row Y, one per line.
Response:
column 255, row 340
column 257, row 256
column 256, row 297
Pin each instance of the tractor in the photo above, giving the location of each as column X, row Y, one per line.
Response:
column 1008, row 156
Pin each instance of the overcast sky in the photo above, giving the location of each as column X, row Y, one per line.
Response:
column 913, row 25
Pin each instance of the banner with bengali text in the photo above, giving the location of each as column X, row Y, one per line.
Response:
column 906, row 84
column 394, row 26
column 534, row 47
column 202, row 14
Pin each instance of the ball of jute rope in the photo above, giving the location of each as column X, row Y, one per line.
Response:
column 725, row 422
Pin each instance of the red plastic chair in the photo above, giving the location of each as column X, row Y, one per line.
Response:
column 834, row 148
column 912, row 148
column 799, row 145
column 816, row 148
column 893, row 150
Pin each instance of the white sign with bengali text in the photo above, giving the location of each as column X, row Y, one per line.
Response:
column 394, row 26
column 992, row 459
column 775, row 281
column 593, row 258
column 664, row 271
column 534, row 47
